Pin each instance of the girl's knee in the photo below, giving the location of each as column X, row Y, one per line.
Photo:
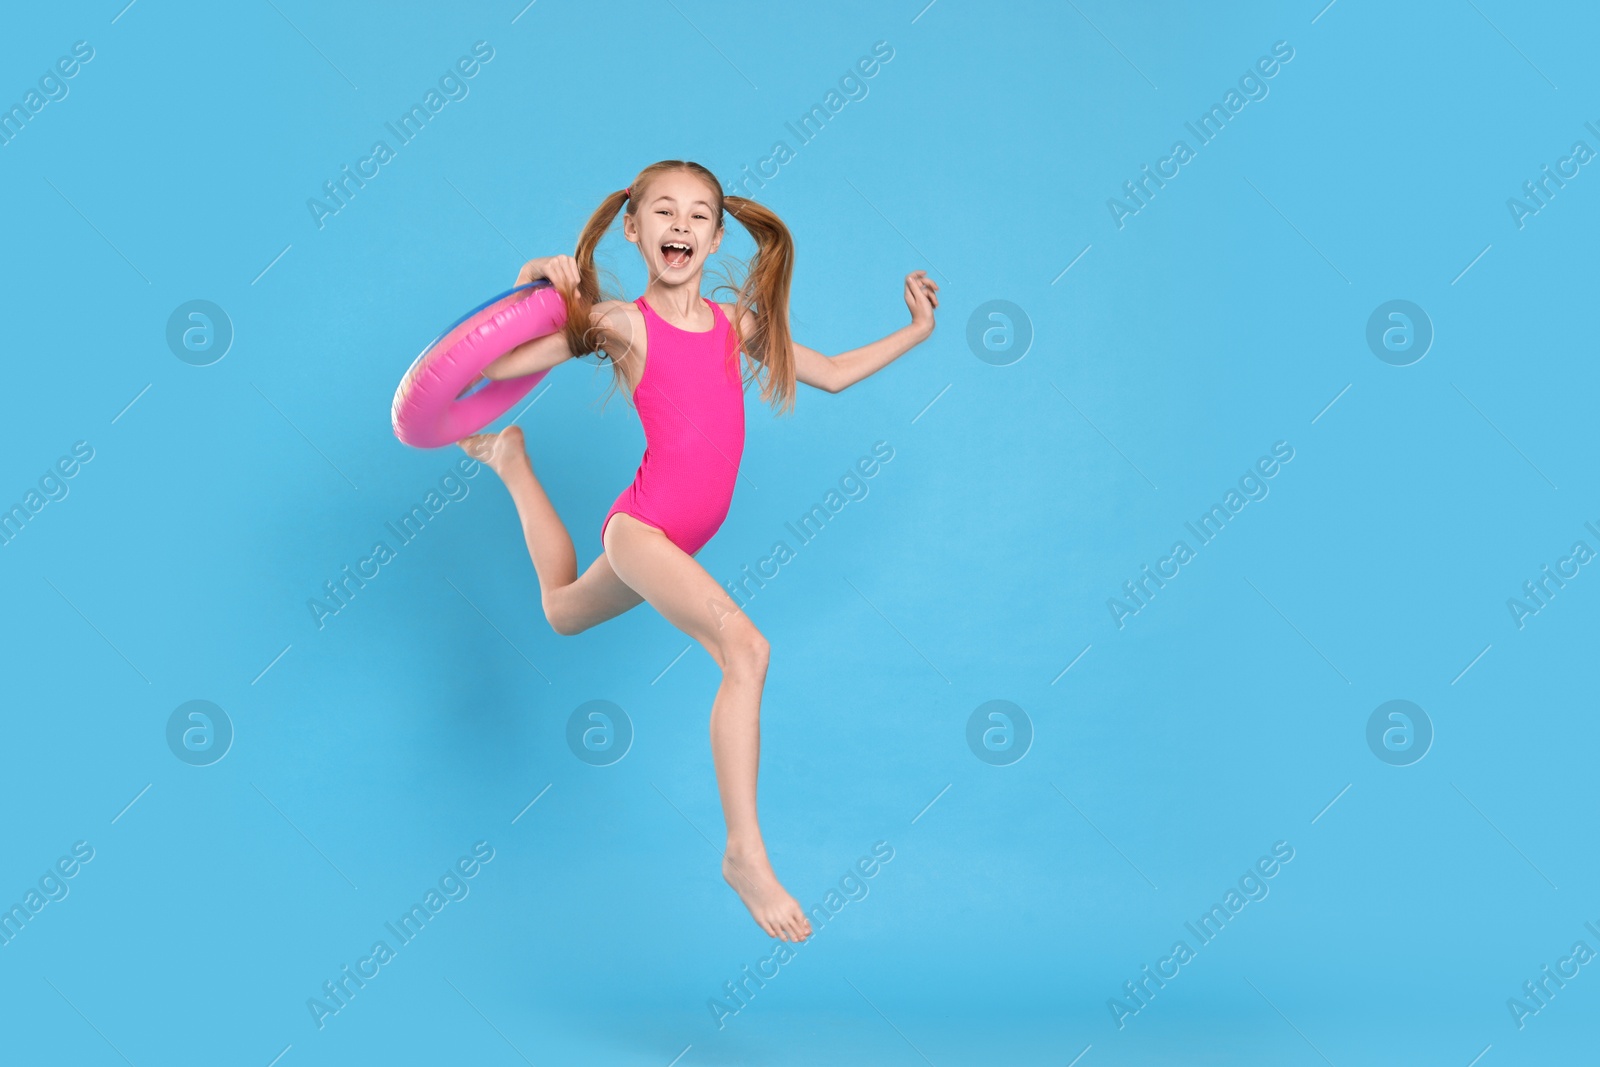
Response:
column 745, row 648
column 562, row 620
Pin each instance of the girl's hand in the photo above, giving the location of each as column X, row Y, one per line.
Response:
column 531, row 271
column 922, row 296
column 562, row 271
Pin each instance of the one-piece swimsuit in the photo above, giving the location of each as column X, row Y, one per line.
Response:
column 690, row 400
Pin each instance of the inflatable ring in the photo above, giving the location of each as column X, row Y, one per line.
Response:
column 429, row 409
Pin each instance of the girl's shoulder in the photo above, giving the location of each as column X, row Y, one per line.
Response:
column 604, row 308
column 617, row 324
column 744, row 327
column 611, row 314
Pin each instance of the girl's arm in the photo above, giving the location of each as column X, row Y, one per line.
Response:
column 835, row 373
column 545, row 352
column 608, row 317
column 539, row 354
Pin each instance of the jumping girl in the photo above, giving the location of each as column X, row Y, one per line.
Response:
column 676, row 353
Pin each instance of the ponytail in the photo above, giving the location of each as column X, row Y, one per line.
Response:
column 766, row 292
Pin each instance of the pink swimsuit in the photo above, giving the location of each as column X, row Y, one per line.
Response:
column 691, row 405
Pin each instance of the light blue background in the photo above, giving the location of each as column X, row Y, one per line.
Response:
column 1227, row 315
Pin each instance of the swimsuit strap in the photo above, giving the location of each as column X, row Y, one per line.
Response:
column 720, row 323
column 716, row 312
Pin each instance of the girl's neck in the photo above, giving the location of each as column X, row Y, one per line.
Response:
column 680, row 304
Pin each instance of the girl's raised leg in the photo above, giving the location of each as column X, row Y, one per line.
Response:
column 572, row 604
column 689, row 598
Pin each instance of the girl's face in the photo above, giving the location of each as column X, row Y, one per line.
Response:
column 674, row 225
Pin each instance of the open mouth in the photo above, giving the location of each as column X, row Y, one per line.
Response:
column 676, row 254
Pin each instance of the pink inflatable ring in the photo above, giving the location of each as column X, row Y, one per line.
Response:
column 429, row 410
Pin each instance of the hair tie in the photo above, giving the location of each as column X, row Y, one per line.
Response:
column 628, row 193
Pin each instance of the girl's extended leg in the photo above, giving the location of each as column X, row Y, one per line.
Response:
column 572, row 604
column 689, row 598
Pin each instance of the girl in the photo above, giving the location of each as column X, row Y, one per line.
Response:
column 676, row 353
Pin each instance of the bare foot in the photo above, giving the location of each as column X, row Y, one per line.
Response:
column 499, row 450
column 771, row 906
